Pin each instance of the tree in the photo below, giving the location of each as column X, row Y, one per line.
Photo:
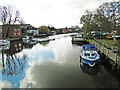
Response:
column 9, row 16
column 44, row 29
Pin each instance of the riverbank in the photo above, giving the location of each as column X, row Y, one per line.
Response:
column 110, row 42
column 108, row 51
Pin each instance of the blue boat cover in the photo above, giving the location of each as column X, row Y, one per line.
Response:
column 90, row 47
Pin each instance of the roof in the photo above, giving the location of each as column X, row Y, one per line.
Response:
column 88, row 45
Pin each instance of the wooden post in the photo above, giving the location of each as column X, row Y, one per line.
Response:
column 99, row 46
column 102, row 48
column 108, row 52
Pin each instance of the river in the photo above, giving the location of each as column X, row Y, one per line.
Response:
column 51, row 64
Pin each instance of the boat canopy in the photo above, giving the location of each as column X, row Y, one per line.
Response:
column 89, row 47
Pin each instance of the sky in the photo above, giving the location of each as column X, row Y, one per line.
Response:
column 58, row 13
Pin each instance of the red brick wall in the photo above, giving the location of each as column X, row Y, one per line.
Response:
column 14, row 31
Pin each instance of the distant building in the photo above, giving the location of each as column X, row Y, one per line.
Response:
column 28, row 29
column 17, row 30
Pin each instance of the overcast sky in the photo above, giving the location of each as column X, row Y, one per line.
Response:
column 58, row 13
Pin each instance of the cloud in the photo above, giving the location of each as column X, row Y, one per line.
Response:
column 59, row 13
column 4, row 84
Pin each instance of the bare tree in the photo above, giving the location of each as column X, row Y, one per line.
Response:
column 9, row 16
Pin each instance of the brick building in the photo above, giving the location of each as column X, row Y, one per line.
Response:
column 11, row 31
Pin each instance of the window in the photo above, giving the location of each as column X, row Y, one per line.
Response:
column 18, row 33
column 87, row 54
column 86, row 48
column 93, row 54
column 15, row 34
column 15, row 30
column 18, row 29
column 92, row 48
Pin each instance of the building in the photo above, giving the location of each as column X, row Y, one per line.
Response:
column 27, row 29
column 17, row 30
column 11, row 31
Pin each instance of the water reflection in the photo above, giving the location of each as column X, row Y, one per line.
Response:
column 13, row 64
column 51, row 64
column 90, row 70
column 44, row 43
column 29, row 43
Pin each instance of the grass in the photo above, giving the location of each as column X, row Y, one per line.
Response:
column 111, row 42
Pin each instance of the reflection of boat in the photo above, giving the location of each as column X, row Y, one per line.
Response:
column 79, row 40
column 90, row 70
column 89, row 55
column 5, row 47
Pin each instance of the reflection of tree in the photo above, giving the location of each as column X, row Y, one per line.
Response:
column 92, row 71
column 13, row 64
column 106, row 79
column 27, row 45
column 44, row 43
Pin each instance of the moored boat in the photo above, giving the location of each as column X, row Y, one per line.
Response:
column 89, row 55
column 4, row 43
column 79, row 40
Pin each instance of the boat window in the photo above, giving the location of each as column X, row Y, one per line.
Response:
column 92, row 48
column 87, row 54
column 93, row 54
column 86, row 48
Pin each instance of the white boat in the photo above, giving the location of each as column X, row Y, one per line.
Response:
column 4, row 44
column 89, row 55
column 25, row 37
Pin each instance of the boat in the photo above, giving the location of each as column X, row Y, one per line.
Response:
column 79, row 40
column 89, row 55
column 4, row 44
column 25, row 37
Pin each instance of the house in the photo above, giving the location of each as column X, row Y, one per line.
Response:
column 11, row 31
column 28, row 29
column 33, row 31
column 18, row 30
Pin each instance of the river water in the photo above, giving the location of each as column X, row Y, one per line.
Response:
column 51, row 64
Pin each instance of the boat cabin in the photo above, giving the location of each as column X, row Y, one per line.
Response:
column 89, row 47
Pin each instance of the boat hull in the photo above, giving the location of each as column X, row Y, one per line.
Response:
column 89, row 62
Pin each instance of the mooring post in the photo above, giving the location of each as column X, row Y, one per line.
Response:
column 116, row 64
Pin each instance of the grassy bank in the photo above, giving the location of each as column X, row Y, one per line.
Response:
column 110, row 42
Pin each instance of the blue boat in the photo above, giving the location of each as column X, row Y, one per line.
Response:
column 89, row 55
